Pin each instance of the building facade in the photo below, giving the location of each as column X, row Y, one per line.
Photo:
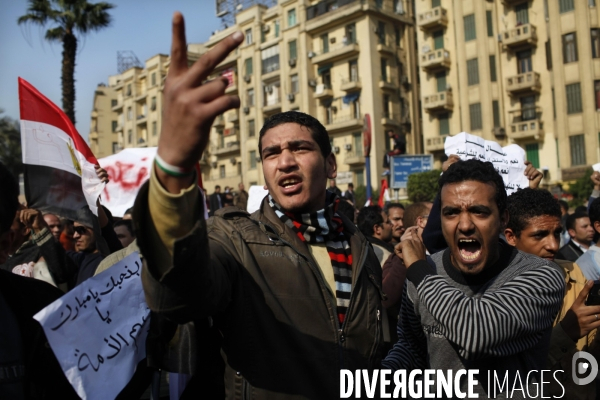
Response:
column 514, row 71
column 337, row 60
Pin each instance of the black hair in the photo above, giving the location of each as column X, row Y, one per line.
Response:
column 389, row 206
column 367, row 218
column 9, row 200
column 595, row 216
column 127, row 223
column 581, row 209
column 228, row 199
column 217, row 187
column 346, row 209
column 572, row 219
column 528, row 203
column 351, row 185
column 564, row 205
column 317, row 130
column 129, row 211
column 475, row 170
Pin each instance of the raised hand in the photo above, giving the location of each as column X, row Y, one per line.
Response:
column 452, row 158
column 32, row 219
column 595, row 177
column 534, row 175
column 581, row 319
column 190, row 104
column 410, row 251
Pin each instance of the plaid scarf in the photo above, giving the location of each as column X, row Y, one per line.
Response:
column 325, row 226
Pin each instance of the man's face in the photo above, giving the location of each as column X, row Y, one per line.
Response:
column 396, row 215
column 471, row 224
column 295, row 171
column 332, row 183
column 84, row 238
column 583, row 232
column 241, row 186
column 54, row 225
column 124, row 235
column 384, row 231
column 541, row 237
column 217, row 190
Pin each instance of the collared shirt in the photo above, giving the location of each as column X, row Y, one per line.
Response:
column 578, row 245
column 589, row 263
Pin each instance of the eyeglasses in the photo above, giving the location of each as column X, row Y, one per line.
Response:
column 82, row 230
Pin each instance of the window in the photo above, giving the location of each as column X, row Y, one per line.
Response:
column 475, row 115
column 295, row 86
column 153, row 79
column 522, row 12
column 553, row 104
column 574, row 98
column 292, row 17
column 221, row 137
column 489, row 23
column 248, row 34
column 292, row 49
column 548, row 55
column 153, row 103
column 596, row 93
column 251, row 128
column 592, row 3
column 360, row 177
column 276, row 25
column 113, row 103
column 577, row 143
column 472, row 72
column 115, row 124
column 248, row 67
column 154, row 129
column 250, row 98
column 398, row 35
column 569, row 47
column 493, row 76
column 381, row 32
column 221, row 171
column 595, row 33
column 252, row 156
column 129, row 136
column 441, row 81
column 115, row 147
column 357, row 143
column 566, row 5
column 436, row 3
column 129, row 114
column 444, row 123
column 325, row 43
column 384, row 70
column 524, row 61
column 386, row 106
column 438, row 39
column 270, row 59
column 496, row 113
column 533, row 154
column 469, row 22
column 528, row 111
column 353, row 70
column 128, row 93
column 350, row 34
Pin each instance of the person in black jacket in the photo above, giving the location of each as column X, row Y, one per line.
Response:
column 582, row 234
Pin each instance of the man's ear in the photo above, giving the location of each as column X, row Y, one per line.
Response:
column 571, row 232
column 376, row 229
column 511, row 238
column 597, row 227
column 331, row 166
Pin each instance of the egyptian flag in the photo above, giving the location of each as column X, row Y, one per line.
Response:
column 59, row 166
column 384, row 196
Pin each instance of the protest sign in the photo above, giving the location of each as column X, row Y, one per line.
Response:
column 596, row 167
column 127, row 172
column 509, row 161
column 256, row 194
column 98, row 330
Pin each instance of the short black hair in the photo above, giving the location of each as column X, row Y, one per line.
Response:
column 581, row 209
column 564, row 205
column 475, row 170
column 351, row 185
column 228, row 199
column 389, row 206
column 346, row 209
column 9, row 200
column 595, row 214
column 317, row 130
column 572, row 219
column 528, row 203
column 127, row 223
column 217, row 187
column 367, row 218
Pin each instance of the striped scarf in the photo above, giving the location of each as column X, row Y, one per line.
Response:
column 325, row 226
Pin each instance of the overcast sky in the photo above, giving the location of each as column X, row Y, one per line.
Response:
column 142, row 26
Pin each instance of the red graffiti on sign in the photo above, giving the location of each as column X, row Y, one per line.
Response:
column 117, row 174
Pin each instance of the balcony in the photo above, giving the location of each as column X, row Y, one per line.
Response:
column 232, row 88
column 272, row 106
column 573, row 173
column 336, row 53
column 231, row 147
column 351, row 84
column 219, row 121
column 93, row 135
column 520, row 36
column 323, row 91
column 384, row 48
column 354, row 158
column 523, row 83
column 435, row 143
column 438, row 102
column 117, row 107
column 344, row 122
column 119, row 127
column 526, row 124
column 435, row 18
column 387, row 83
column 141, row 119
column 509, row 3
column 390, row 120
column 322, row 14
column 436, row 59
column 233, row 117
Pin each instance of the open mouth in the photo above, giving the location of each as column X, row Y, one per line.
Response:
column 290, row 184
column 469, row 249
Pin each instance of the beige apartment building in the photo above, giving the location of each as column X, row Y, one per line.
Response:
column 514, row 71
column 337, row 60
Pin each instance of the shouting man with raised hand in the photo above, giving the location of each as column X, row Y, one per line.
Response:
column 293, row 288
column 481, row 304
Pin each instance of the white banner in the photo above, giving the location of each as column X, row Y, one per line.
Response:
column 127, row 171
column 509, row 161
column 98, row 330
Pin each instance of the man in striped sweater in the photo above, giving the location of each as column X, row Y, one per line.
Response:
column 480, row 304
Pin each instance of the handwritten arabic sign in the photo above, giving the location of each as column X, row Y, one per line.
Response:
column 98, row 330
column 509, row 161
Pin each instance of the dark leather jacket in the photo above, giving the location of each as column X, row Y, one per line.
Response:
column 266, row 294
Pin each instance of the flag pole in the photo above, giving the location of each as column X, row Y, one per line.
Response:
column 367, row 137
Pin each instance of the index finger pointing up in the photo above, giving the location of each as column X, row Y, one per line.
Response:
column 178, row 46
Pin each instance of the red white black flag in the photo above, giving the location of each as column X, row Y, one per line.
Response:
column 59, row 166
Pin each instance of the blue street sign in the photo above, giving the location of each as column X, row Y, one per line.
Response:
column 403, row 166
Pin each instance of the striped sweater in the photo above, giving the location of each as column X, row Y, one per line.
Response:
column 499, row 320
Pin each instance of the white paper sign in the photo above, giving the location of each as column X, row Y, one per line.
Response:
column 98, row 330
column 256, row 194
column 596, row 167
column 509, row 161
column 127, row 172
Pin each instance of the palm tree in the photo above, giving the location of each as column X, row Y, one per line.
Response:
column 67, row 18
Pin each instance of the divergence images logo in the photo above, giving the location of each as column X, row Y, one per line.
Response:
column 584, row 364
